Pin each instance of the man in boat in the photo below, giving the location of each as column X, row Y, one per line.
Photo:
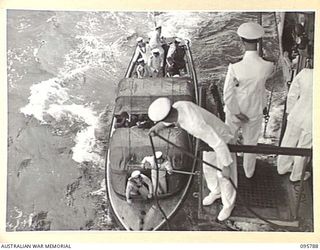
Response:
column 244, row 91
column 204, row 125
column 156, row 41
column 138, row 185
column 164, row 166
column 155, row 63
column 123, row 120
column 142, row 50
column 175, row 58
column 142, row 69
column 299, row 124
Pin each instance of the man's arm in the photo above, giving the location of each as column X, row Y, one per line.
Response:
column 209, row 135
column 229, row 96
column 149, row 183
column 128, row 189
column 136, row 54
column 294, row 93
column 158, row 127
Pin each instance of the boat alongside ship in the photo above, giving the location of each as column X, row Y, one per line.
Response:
column 268, row 201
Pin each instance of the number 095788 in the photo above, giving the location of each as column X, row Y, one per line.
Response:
column 309, row 245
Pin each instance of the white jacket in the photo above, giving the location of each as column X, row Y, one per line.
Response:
column 299, row 100
column 207, row 127
column 244, row 88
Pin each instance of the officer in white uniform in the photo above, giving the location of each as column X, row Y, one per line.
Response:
column 206, row 126
column 244, row 92
column 299, row 126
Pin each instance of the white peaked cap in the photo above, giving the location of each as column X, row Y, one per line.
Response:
column 139, row 39
column 178, row 40
column 159, row 109
column 250, row 31
column 158, row 154
column 156, row 50
column 135, row 173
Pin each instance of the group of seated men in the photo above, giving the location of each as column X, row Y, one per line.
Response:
column 157, row 58
column 124, row 120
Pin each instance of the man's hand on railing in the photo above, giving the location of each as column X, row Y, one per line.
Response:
column 226, row 172
column 242, row 117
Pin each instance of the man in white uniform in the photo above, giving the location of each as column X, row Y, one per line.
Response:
column 155, row 64
column 206, row 126
column 164, row 166
column 244, row 92
column 138, row 185
column 299, row 126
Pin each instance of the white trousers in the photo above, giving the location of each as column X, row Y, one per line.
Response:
column 294, row 137
column 216, row 183
column 251, row 132
column 162, row 184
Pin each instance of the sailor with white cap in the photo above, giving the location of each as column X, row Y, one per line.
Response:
column 164, row 165
column 142, row 50
column 142, row 68
column 206, row 126
column 136, row 186
column 244, row 91
column 155, row 63
column 139, row 39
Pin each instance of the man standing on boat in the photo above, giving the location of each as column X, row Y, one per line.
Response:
column 155, row 63
column 164, row 166
column 155, row 41
column 206, row 126
column 142, row 51
column 175, row 58
column 244, row 91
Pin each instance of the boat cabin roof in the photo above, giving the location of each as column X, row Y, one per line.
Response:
column 135, row 94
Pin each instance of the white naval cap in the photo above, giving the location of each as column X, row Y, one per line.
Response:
column 135, row 174
column 159, row 109
column 156, row 50
column 139, row 39
column 250, row 31
column 178, row 40
column 158, row 154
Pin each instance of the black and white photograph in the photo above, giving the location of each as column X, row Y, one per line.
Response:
column 160, row 120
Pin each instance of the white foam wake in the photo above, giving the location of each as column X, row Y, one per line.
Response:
column 41, row 95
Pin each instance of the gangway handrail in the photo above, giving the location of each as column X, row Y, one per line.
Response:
column 263, row 149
